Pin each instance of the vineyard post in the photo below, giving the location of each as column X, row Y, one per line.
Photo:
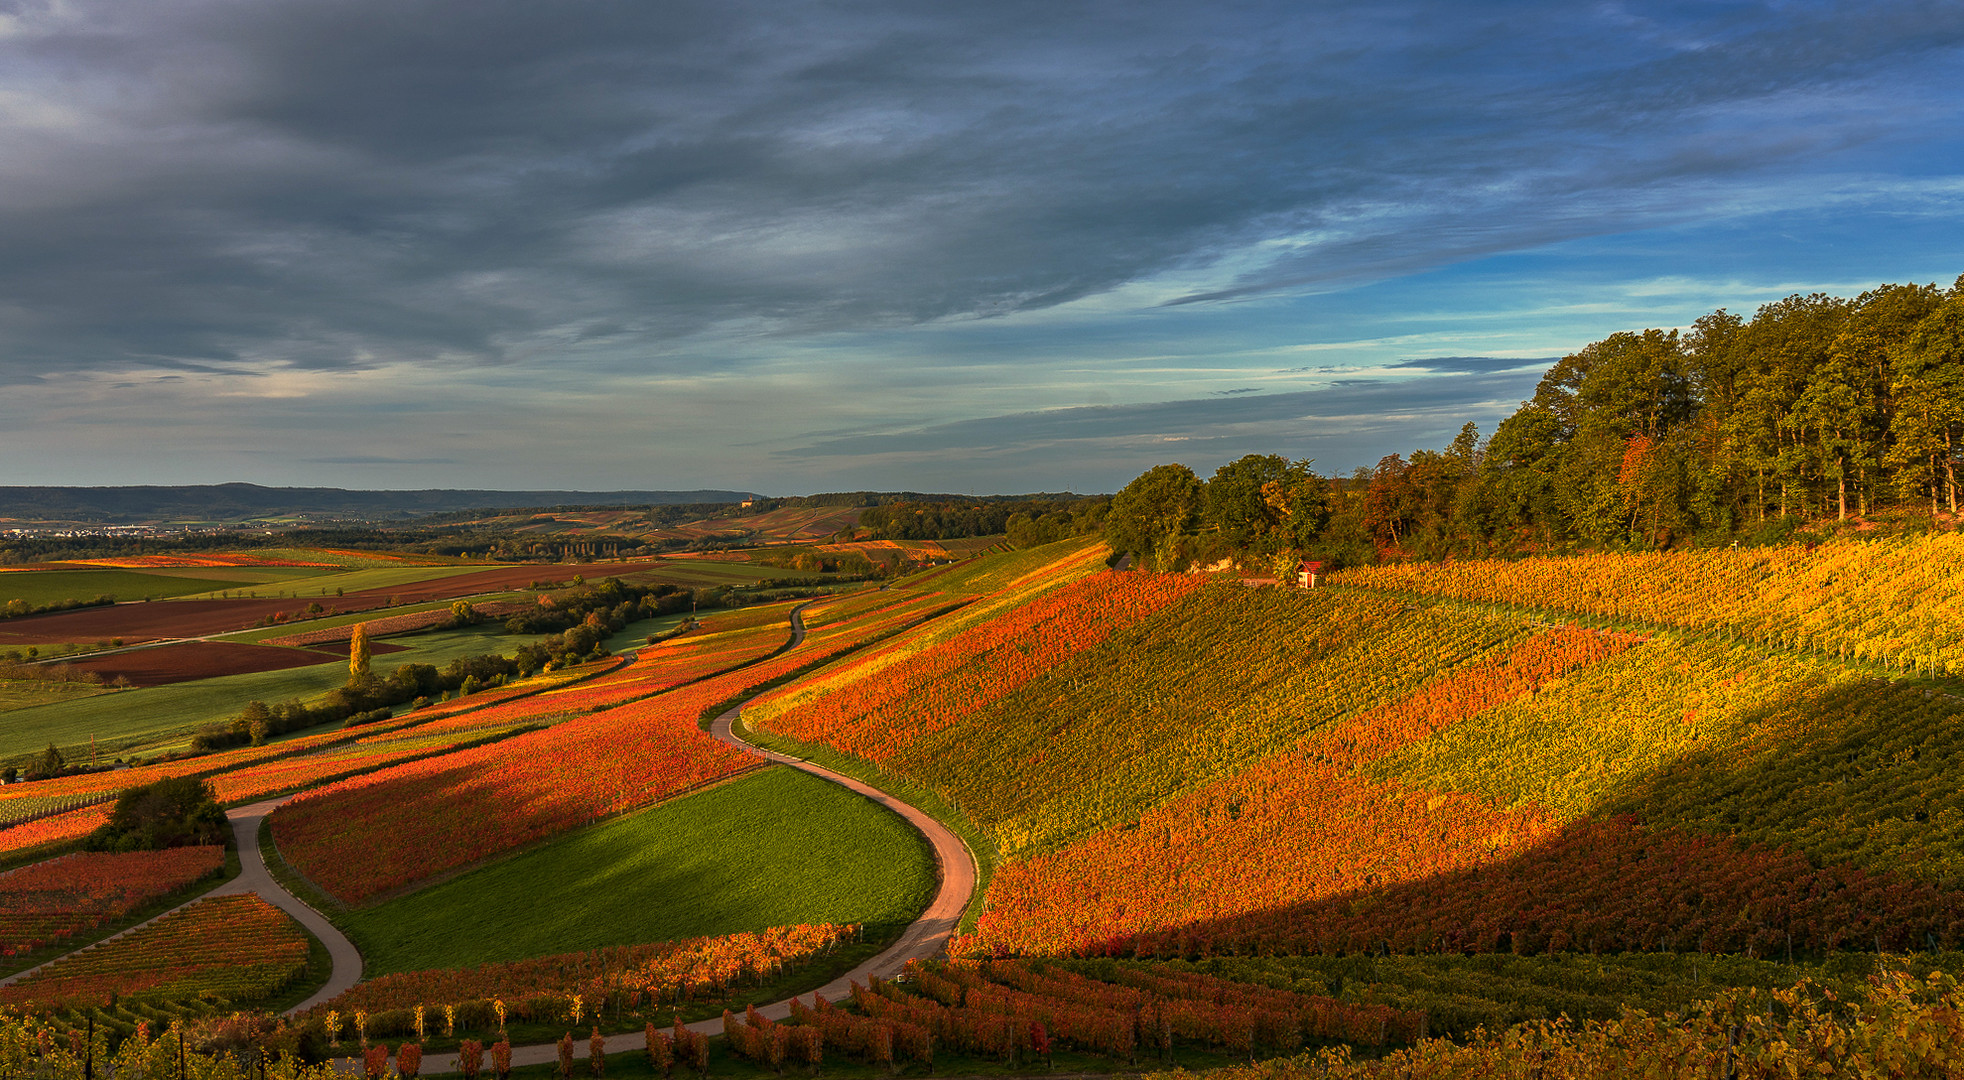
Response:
column 88, row 1060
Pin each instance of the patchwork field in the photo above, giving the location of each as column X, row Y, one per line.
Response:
column 1214, row 822
column 38, row 587
column 164, row 716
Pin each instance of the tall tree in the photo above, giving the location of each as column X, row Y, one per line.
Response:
column 1928, row 384
column 1153, row 513
column 358, row 657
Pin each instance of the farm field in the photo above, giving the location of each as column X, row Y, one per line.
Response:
column 774, row 848
column 1895, row 601
column 1248, row 820
column 27, row 693
column 238, row 948
column 189, row 661
column 48, row 904
column 207, row 617
column 324, row 583
column 37, row 587
column 417, row 821
column 148, row 720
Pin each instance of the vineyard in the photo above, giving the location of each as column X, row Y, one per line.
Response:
column 49, row 902
column 385, row 830
column 1545, row 808
column 1895, row 602
column 238, row 948
column 1903, row 1026
column 1014, row 1011
column 557, row 988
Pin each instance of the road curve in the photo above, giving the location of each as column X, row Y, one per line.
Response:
column 924, row 938
column 255, row 878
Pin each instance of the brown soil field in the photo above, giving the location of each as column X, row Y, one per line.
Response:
column 162, row 619
column 188, row 660
column 200, row 618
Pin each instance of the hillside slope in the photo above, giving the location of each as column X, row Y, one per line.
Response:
column 1171, row 768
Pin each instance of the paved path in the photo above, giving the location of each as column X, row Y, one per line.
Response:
column 255, row 878
column 926, row 937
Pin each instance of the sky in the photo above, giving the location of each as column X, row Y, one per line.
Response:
column 791, row 247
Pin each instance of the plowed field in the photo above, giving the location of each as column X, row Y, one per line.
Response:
column 201, row 618
column 190, row 660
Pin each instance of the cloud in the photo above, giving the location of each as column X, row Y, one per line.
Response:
column 378, row 459
column 1473, row 364
column 469, row 184
column 1343, row 411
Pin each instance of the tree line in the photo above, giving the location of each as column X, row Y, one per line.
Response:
column 1818, row 408
column 1027, row 522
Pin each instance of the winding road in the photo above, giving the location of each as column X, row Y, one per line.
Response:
column 924, row 938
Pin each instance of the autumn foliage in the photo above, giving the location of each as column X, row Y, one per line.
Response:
column 48, row 902
column 238, row 948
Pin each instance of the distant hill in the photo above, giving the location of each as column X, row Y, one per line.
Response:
column 246, row 502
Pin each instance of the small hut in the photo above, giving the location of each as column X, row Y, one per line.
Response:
column 1307, row 572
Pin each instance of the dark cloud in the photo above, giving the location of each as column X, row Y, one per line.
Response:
column 338, row 184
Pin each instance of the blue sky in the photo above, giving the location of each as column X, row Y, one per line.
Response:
column 796, row 247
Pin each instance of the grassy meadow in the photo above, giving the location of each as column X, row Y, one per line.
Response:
column 772, row 848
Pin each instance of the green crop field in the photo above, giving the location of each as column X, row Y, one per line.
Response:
column 774, row 848
column 27, row 693
column 705, row 573
column 53, row 586
column 158, row 718
column 319, row 583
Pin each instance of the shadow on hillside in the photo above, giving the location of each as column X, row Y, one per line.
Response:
column 1823, row 829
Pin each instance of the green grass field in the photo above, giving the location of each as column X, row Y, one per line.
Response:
column 635, row 634
column 52, row 586
column 158, row 718
column 774, row 848
column 27, row 693
column 315, row 582
column 705, row 573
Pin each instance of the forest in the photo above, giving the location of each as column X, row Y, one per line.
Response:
column 1816, row 409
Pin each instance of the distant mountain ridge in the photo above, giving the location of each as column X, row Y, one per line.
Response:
column 241, row 502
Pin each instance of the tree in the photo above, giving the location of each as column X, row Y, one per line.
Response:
column 51, row 762
column 1151, row 515
column 358, row 673
column 174, row 812
column 1261, row 503
column 1928, row 385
